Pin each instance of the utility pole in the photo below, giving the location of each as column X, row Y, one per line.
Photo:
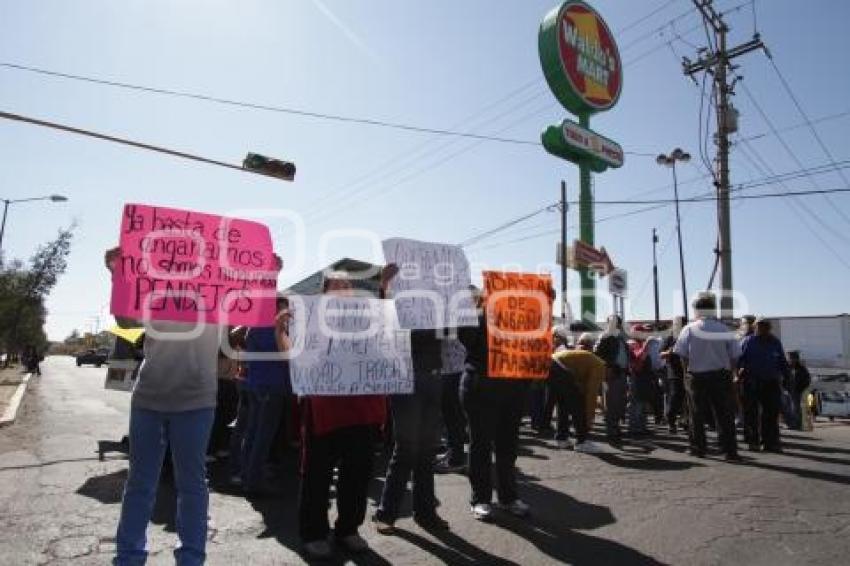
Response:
column 716, row 61
column 655, row 276
column 564, row 207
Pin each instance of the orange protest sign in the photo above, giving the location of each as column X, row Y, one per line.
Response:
column 519, row 324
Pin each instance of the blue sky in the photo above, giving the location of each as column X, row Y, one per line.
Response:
column 469, row 65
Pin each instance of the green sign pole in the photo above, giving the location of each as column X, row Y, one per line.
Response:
column 586, row 226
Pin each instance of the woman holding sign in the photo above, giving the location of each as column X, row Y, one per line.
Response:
column 494, row 386
column 337, row 431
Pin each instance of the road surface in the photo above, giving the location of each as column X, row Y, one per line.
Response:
column 647, row 504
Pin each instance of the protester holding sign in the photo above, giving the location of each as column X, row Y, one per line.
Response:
column 173, row 405
column 186, row 276
column 337, row 430
column 416, row 430
column 511, row 345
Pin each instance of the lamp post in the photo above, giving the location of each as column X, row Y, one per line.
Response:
column 670, row 161
column 7, row 202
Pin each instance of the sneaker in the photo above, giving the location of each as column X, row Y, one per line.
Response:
column 517, row 507
column 564, row 444
column 431, row 522
column 589, row 447
column 383, row 527
column 445, row 466
column 482, row 511
column 318, row 549
column 353, row 543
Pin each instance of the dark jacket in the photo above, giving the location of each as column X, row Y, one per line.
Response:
column 763, row 358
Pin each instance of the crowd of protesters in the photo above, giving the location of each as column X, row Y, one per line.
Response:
column 203, row 399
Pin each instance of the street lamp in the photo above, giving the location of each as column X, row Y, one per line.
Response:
column 7, row 202
column 670, row 161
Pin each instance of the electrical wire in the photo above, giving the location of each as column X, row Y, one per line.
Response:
column 808, row 122
column 788, row 149
column 794, row 203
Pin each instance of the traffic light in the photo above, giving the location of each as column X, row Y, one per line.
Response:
column 268, row 166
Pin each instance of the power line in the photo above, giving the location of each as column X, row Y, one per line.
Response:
column 764, row 167
column 805, row 116
column 827, row 118
column 481, row 236
column 266, row 107
column 325, row 214
column 647, row 16
column 787, row 148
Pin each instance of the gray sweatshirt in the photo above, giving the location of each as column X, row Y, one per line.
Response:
column 180, row 369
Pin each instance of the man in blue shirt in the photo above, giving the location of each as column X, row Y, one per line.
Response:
column 266, row 388
column 761, row 368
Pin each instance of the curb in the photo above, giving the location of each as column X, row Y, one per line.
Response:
column 11, row 412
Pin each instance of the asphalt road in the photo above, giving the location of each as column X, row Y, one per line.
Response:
column 647, row 504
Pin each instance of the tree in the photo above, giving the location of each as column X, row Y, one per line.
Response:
column 23, row 291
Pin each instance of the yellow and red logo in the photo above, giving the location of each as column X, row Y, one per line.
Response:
column 580, row 58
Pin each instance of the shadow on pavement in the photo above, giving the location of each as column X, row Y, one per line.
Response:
column 646, row 463
column 108, row 489
column 280, row 511
column 801, row 472
column 456, row 550
column 812, row 448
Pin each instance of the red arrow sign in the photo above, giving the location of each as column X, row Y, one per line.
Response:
column 586, row 255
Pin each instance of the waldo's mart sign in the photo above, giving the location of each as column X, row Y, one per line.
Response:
column 580, row 59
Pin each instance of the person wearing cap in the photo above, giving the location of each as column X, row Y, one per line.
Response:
column 614, row 350
column 709, row 350
column 573, row 376
column 762, row 367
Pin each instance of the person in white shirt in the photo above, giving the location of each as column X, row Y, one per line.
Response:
column 709, row 351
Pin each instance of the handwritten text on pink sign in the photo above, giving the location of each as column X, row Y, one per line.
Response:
column 186, row 266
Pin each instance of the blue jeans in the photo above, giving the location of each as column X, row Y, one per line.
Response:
column 265, row 407
column 151, row 432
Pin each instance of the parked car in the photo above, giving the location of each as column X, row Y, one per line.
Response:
column 92, row 357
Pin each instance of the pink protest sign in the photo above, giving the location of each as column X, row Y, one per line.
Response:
column 186, row 266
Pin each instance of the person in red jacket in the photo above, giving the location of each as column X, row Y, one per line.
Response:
column 337, row 431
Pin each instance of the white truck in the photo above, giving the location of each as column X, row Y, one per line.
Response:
column 824, row 346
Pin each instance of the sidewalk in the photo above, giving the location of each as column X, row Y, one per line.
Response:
column 13, row 386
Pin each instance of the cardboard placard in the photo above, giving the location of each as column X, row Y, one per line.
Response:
column 519, row 324
column 348, row 346
column 431, row 289
column 185, row 266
